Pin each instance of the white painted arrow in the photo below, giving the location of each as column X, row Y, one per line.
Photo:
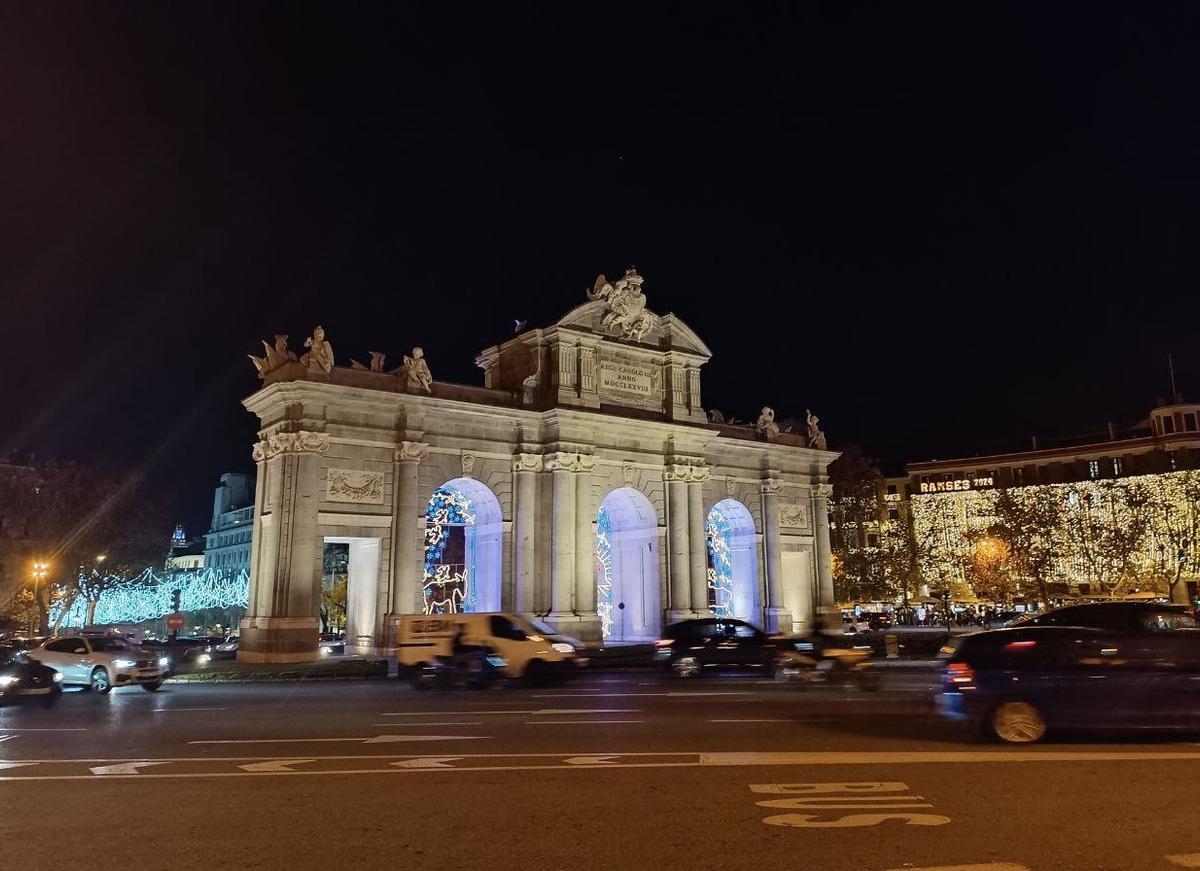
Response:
column 590, row 760
column 7, row 737
column 7, row 765
column 122, row 768
column 427, row 762
column 378, row 739
column 274, row 765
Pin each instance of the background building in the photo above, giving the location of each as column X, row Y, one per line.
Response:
column 227, row 542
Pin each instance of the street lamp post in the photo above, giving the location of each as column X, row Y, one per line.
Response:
column 40, row 570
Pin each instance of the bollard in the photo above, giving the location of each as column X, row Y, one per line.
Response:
column 891, row 646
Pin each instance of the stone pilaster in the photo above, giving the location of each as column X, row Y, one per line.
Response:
column 775, row 616
column 562, row 466
column 286, row 586
column 525, row 470
column 406, row 553
column 698, row 539
column 679, row 560
column 585, row 546
column 824, row 585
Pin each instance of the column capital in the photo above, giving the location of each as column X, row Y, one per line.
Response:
column 771, row 486
column 568, row 461
column 290, row 443
column 823, row 491
column 527, row 462
column 411, row 452
column 690, row 472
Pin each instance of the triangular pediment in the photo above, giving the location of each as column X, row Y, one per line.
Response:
column 667, row 332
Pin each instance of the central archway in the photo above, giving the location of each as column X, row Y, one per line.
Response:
column 462, row 549
column 732, row 561
column 627, row 581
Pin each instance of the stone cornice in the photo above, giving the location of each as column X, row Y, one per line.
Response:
column 290, row 443
column 411, row 452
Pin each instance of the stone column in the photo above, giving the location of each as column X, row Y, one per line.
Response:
column 824, row 585
column 525, row 469
column 285, row 580
column 406, row 560
column 698, row 539
column 679, row 560
column 562, row 534
column 775, row 616
column 585, row 548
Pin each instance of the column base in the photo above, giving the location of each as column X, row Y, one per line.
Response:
column 778, row 620
column 583, row 627
column 675, row 615
column 277, row 639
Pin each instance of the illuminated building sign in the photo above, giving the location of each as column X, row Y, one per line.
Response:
column 956, row 486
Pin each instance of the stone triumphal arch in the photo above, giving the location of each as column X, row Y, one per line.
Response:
column 582, row 483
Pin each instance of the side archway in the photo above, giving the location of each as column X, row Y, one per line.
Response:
column 463, row 551
column 628, row 598
column 732, row 561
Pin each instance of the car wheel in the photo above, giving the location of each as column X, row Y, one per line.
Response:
column 687, row 666
column 99, row 682
column 152, row 687
column 1018, row 723
column 416, row 677
column 537, row 673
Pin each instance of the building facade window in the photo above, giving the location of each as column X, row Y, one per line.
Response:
column 1116, row 466
column 1093, row 468
column 1189, row 421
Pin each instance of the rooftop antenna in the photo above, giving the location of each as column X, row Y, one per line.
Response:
column 1171, row 366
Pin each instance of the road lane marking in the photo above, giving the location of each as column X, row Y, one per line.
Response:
column 423, row 724
column 751, row 721
column 6, row 765
column 987, row 866
column 561, row 711
column 4, row 738
column 123, row 768
column 453, row 713
column 177, row 710
column 31, row 729
column 378, row 739
column 1184, row 860
column 590, row 760
column 427, row 762
column 577, row 722
column 273, row 765
column 605, row 695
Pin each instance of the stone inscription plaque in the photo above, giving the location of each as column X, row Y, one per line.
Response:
column 630, row 379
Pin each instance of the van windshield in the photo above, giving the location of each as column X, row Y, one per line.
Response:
column 542, row 627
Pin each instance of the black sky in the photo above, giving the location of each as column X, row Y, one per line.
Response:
column 944, row 227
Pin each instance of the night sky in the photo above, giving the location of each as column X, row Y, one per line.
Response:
column 942, row 227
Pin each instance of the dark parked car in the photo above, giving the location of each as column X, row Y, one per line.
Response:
column 23, row 679
column 1131, row 617
column 1020, row 682
column 691, row 646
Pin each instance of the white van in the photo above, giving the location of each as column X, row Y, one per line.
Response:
column 527, row 651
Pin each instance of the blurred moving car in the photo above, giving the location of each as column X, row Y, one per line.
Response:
column 329, row 643
column 23, row 679
column 1131, row 617
column 227, row 648
column 1018, row 683
column 100, row 662
column 690, row 646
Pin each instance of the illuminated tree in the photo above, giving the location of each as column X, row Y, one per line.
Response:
column 1029, row 520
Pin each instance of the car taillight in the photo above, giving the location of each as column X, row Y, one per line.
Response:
column 959, row 673
column 664, row 642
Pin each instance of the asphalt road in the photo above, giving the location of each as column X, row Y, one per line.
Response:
column 612, row 771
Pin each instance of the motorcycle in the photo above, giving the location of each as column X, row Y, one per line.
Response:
column 810, row 663
column 474, row 669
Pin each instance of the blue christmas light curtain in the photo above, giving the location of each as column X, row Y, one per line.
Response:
column 720, row 563
column 148, row 596
column 447, row 584
column 604, row 572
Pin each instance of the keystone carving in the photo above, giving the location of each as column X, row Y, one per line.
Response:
column 468, row 464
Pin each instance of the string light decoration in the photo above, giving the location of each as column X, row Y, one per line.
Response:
column 604, row 572
column 720, row 556
column 444, row 590
column 148, row 596
column 1112, row 535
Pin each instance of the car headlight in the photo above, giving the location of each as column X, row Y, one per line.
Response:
column 124, row 663
column 164, row 661
column 58, row 677
column 326, row 650
column 203, row 658
column 8, row 679
column 562, row 647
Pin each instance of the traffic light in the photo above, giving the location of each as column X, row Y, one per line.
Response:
column 175, row 599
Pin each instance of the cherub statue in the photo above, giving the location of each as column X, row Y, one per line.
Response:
column 766, row 425
column 275, row 356
column 320, row 353
column 816, row 438
column 415, row 371
column 376, row 362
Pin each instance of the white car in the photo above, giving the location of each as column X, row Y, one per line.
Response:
column 101, row 662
